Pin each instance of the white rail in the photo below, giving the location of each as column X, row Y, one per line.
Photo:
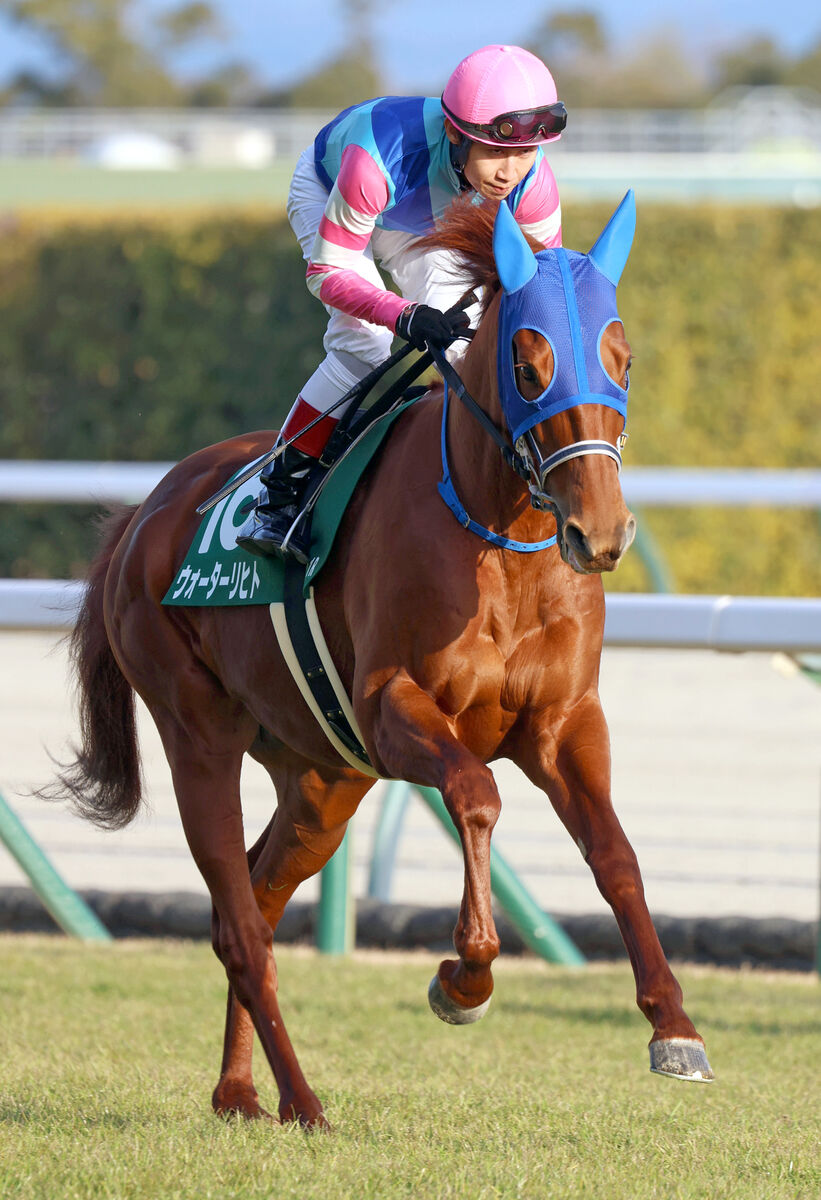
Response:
column 743, row 120
column 733, row 623
column 78, row 482
column 100, row 482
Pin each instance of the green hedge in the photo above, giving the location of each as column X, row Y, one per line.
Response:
column 146, row 338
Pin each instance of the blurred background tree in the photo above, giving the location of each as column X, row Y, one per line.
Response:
column 107, row 55
column 757, row 63
column 592, row 74
column 348, row 78
column 120, row 53
column 658, row 72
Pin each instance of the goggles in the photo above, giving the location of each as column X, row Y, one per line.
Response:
column 516, row 128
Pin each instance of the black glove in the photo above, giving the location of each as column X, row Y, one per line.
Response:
column 419, row 323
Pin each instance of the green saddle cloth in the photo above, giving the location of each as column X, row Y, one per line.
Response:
column 216, row 572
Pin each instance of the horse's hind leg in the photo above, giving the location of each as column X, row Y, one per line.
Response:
column 205, row 755
column 236, row 1094
column 312, row 814
column 575, row 772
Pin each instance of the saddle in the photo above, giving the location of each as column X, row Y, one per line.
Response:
column 215, row 572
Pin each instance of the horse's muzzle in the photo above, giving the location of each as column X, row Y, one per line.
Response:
column 593, row 552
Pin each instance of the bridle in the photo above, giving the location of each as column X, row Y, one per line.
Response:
column 539, row 467
column 524, row 457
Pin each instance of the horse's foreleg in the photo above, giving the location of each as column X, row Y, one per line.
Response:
column 306, row 830
column 573, row 766
column 235, row 1093
column 415, row 742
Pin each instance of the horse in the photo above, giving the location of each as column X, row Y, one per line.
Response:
column 458, row 642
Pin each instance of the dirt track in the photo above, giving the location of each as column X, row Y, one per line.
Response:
column 716, row 769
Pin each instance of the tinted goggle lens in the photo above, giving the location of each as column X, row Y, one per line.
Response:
column 515, row 128
column 525, row 126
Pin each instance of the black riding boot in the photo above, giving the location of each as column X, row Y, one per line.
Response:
column 278, row 506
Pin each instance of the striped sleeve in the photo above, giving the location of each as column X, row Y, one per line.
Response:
column 539, row 212
column 359, row 195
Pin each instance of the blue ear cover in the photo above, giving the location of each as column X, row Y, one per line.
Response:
column 612, row 249
column 515, row 261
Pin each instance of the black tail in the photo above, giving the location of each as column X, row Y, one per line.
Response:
column 104, row 782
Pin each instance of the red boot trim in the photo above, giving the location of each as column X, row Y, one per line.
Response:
column 314, row 441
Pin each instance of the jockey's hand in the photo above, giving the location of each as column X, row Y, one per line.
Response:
column 419, row 323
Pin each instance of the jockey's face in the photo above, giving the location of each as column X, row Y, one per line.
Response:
column 494, row 171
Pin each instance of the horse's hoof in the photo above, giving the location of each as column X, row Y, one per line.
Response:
column 238, row 1100
column 311, row 1118
column 318, row 1124
column 451, row 1012
column 244, row 1112
column 681, row 1058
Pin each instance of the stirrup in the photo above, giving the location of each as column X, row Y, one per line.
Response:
column 284, row 532
column 274, row 527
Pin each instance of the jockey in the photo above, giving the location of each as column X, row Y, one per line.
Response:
column 376, row 179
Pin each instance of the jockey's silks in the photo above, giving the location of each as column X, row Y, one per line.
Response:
column 404, row 138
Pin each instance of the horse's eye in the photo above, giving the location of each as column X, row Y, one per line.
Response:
column 527, row 373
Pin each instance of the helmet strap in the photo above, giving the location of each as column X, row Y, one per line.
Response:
column 459, row 152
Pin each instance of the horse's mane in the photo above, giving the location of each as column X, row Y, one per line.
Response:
column 467, row 230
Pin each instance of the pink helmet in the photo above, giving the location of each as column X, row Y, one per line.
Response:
column 504, row 95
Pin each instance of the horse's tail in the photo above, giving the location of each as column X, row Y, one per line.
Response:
column 104, row 783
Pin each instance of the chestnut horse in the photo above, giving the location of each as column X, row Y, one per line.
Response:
column 455, row 650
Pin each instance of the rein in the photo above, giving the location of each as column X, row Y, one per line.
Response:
column 446, row 489
column 454, row 381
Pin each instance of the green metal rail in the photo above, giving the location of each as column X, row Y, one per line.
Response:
column 386, row 839
column 68, row 909
column 650, row 553
column 336, row 918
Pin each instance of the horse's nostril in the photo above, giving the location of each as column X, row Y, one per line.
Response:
column 576, row 540
column 597, row 551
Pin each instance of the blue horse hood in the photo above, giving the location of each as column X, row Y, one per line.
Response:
column 570, row 294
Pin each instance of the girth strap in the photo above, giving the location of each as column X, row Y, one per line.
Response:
column 318, row 676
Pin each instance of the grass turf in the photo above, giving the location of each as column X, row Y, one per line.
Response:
column 109, row 1056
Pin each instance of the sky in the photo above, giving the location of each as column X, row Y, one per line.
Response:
column 420, row 41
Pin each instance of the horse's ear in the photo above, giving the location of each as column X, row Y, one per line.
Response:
column 515, row 261
column 612, row 249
